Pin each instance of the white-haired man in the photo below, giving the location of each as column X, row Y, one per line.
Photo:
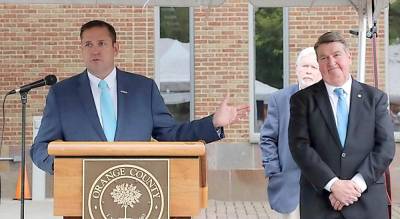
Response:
column 280, row 169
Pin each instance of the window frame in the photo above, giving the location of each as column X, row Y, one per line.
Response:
column 386, row 27
column 255, row 136
column 157, row 62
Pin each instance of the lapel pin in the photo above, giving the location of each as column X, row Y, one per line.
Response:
column 124, row 91
column 359, row 95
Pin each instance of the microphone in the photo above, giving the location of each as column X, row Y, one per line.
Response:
column 48, row 80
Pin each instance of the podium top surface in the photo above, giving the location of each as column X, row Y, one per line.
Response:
column 125, row 149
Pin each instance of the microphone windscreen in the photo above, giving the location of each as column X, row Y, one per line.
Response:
column 50, row 79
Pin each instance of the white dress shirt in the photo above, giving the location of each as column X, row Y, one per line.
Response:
column 111, row 80
column 333, row 98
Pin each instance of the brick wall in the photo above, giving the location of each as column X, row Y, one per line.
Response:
column 221, row 61
column 36, row 40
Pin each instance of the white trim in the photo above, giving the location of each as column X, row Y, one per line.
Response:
column 386, row 27
column 255, row 136
column 156, row 38
column 362, row 42
column 286, row 56
column 175, row 98
column 192, row 78
column 38, row 175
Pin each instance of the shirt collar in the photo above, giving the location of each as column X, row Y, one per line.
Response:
column 346, row 87
column 111, row 79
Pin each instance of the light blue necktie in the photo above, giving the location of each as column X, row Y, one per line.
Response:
column 342, row 115
column 107, row 111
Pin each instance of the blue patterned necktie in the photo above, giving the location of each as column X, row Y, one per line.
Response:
column 107, row 111
column 342, row 115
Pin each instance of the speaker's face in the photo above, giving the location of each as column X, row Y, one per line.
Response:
column 98, row 51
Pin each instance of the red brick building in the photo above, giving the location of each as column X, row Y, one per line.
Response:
column 41, row 39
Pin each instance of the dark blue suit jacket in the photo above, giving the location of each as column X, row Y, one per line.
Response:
column 70, row 115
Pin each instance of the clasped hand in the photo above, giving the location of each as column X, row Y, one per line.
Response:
column 344, row 193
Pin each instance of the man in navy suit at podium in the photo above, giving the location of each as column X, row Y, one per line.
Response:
column 104, row 103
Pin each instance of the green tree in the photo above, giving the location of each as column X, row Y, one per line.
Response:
column 269, row 46
column 174, row 23
column 394, row 23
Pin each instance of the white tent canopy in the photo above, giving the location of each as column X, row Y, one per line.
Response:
column 174, row 58
column 263, row 91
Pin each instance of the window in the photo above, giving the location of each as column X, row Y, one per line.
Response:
column 394, row 63
column 267, row 59
column 174, row 59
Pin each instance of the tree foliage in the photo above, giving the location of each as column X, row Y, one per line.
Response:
column 269, row 46
column 394, row 22
column 174, row 23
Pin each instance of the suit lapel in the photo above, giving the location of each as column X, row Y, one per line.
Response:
column 322, row 99
column 357, row 108
column 122, row 93
column 87, row 102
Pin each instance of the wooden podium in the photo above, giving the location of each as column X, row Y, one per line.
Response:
column 188, row 183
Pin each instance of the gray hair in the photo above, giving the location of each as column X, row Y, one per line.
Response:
column 331, row 37
column 309, row 51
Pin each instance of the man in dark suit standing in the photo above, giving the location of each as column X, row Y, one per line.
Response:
column 341, row 136
column 280, row 169
column 104, row 103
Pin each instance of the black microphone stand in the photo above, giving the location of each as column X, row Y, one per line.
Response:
column 24, row 100
column 23, row 91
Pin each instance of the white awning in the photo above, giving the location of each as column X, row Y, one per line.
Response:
column 263, row 91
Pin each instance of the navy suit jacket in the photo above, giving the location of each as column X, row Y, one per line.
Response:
column 369, row 148
column 280, row 168
column 70, row 115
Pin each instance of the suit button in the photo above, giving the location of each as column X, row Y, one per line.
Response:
column 343, row 155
